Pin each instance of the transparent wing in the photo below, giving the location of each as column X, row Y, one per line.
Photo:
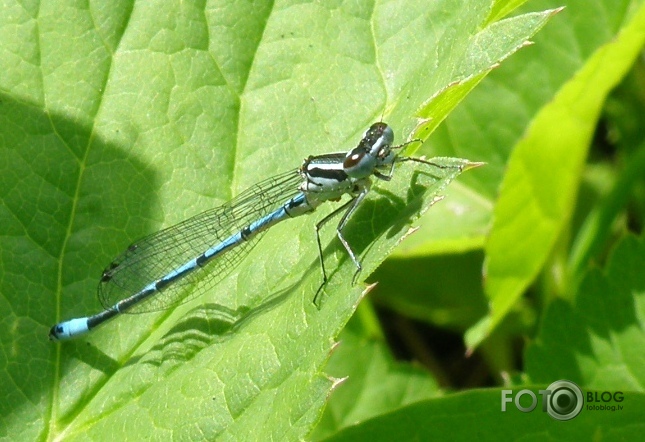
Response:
column 156, row 255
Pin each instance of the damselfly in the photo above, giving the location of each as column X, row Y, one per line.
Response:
column 160, row 270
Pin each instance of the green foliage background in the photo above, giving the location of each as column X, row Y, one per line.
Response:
column 118, row 119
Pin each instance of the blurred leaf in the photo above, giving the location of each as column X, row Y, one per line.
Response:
column 594, row 233
column 478, row 415
column 539, row 189
column 503, row 7
column 444, row 290
column 597, row 341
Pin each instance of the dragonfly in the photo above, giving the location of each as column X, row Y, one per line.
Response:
column 177, row 264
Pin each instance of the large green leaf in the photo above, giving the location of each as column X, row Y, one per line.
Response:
column 117, row 119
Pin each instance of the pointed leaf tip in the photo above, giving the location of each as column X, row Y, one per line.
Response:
column 472, row 165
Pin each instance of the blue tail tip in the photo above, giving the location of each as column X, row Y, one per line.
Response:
column 54, row 332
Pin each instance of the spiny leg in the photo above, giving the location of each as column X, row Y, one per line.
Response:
column 339, row 230
column 428, row 163
column 317, row 227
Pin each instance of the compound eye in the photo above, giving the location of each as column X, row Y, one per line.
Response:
column 353, row 158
